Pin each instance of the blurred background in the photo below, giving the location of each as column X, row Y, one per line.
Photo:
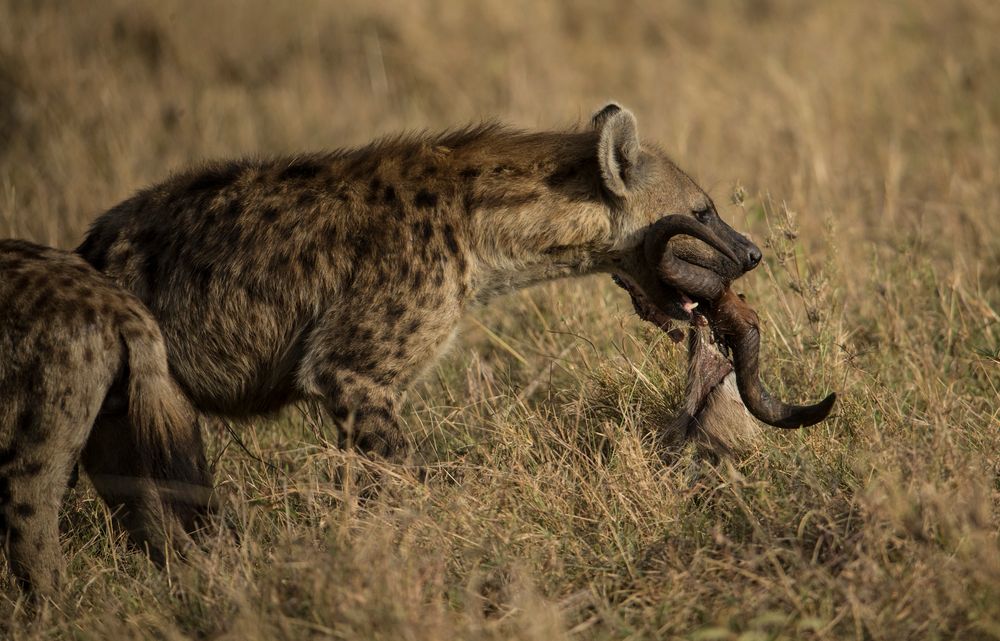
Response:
column 858, row 142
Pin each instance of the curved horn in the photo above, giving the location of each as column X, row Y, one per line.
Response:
column 693, row 280
column 675, row 224
column 689, row 278
column 739, row 322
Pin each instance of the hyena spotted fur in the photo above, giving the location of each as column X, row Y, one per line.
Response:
column 341, row 276
column 69, row 341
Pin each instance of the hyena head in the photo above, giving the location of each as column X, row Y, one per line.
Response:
column 646, row 186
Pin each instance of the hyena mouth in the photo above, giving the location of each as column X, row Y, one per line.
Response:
column 665, row 287
column 693, row 281
column 730, row 318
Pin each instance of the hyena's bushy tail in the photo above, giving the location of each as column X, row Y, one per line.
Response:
column 166, row 431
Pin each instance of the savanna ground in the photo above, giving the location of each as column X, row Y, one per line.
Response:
column 858, row 142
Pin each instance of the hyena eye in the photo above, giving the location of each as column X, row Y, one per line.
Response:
column 703, row 215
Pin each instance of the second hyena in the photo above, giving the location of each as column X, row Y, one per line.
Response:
column 69, row 339
column 341, row 276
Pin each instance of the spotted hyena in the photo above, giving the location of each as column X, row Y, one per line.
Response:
column 341, row 276
column 69, row 341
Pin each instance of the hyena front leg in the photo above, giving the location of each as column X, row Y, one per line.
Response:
column 365, row 411
column 352, row 369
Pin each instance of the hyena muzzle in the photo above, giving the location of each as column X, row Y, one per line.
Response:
column 71, row 343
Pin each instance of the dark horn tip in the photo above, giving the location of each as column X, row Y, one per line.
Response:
column 807, row 415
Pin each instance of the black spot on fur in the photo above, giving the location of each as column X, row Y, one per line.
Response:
column 306, row 199
column 301, row 170
column 562, row 175
column 214, row 179
column 31, row 469
column 327, row 379
column 374, row 186
column 234, row 209
column 425, row 199
column 362, row 165
column 424, row 230
column 24, row 510
column 307, row 258
column 470, row 173
column 450, row 240
column 27, row 422
column 413, row 326
column 271, row 215
column 7, row 456
column 340, row 413
column 362, row 246
column 331, row 234
column 281, row 262
column 40, row 305
column 22, row 283
column 389, row 195
column 4, row 490
column 430, row 170
column 365, row 363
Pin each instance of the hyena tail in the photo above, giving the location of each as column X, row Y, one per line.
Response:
column 166, row 432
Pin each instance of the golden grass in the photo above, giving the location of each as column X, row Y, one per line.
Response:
column 861, row 141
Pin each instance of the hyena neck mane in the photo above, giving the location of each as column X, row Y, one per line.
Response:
column 528, row 206
column 533, row 205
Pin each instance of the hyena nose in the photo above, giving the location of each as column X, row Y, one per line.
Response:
column 752, row 258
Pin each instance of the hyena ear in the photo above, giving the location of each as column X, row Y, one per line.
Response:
column 617, row 147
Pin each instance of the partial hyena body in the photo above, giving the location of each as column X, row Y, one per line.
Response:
column 68, row 339
column 341, row 276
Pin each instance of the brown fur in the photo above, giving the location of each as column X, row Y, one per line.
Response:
column 341, row 276
column 70, row 343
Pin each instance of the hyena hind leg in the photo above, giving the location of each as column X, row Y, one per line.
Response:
column 32, row 487
column 157, row 510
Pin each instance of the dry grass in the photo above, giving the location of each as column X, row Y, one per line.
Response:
column 862, row 141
